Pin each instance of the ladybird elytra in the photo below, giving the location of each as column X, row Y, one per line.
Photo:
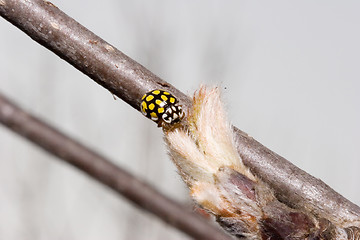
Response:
column 163, row 97
column 154, row 116
column 151, row 106
column 162, row 107
column 149, row 98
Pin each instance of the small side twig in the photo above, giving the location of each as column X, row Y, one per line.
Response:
column 128, row 80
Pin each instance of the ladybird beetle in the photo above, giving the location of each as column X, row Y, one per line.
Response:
column 161, row 107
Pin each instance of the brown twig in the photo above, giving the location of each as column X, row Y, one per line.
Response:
column 128, row 80
column 105, row 172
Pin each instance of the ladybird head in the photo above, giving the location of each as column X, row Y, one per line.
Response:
column 173, row 114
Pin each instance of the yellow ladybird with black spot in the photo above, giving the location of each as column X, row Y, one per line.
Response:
column 161, row 107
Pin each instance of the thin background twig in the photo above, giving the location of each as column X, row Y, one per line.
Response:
column 106, row 172
column 128, row 80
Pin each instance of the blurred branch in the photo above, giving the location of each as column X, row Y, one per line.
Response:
column 128, row 80
column 105, row 172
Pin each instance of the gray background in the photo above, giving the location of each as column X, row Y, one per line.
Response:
column 289, row 71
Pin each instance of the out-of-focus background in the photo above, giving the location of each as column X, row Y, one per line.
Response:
column 290, row 77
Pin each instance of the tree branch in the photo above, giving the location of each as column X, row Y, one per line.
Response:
column 128, row 80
